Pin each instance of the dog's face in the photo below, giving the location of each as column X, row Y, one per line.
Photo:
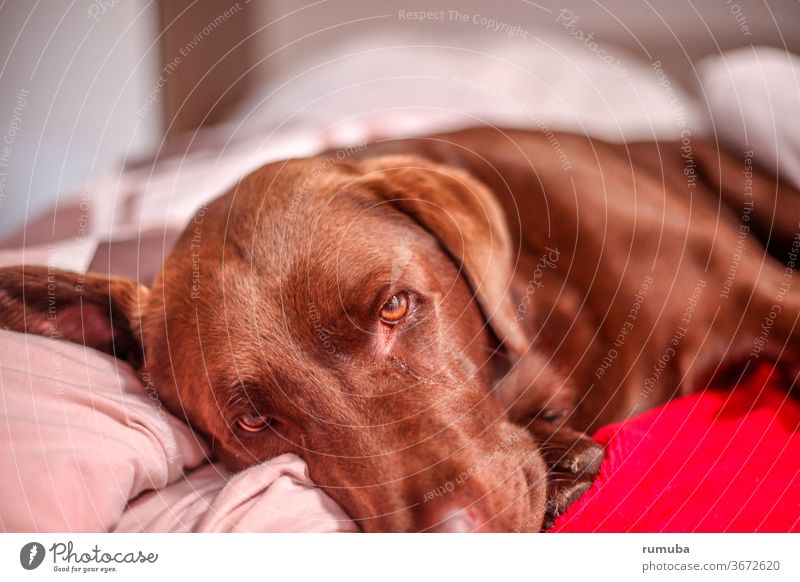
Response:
column 350, row 313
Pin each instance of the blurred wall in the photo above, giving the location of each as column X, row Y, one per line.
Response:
column 229, row 47
column 73, row 79
column 676, row 32
column 88, row 84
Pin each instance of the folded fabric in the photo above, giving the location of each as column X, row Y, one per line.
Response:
column 718, row 461
column 276, row 496
column 80, row 435
column 85, row 446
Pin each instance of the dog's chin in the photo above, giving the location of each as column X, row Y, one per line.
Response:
column 535, row 472
column 528, row 504
column 520, row 509
column 507, row 493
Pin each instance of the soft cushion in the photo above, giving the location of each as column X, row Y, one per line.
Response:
column 79, row 436
column 276, row 496
column 86, row 446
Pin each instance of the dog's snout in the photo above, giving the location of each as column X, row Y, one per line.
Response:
column 451, row 517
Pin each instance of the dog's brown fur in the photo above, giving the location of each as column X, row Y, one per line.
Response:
column 546, row 295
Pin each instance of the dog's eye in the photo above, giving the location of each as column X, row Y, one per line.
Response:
column 253, row 422
column 395, row 309
column 550, row 415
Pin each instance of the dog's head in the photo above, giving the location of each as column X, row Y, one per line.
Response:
column 350, row 313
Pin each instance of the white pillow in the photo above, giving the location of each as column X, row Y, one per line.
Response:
column 85, row 446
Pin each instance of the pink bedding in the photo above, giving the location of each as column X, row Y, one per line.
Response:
column 84, row 446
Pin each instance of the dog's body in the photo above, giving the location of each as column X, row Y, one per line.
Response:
column 399, row 313
column 656, row 262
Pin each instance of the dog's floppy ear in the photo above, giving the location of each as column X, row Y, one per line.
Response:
column 100, row 312
column 464, row 216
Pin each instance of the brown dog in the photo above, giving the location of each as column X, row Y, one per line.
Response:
column 433, row 323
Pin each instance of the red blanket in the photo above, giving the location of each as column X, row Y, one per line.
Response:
column 719, row 461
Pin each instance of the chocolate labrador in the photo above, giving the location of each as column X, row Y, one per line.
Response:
column 434, row 323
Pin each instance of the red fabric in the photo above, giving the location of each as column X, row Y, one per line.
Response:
column 718, row 461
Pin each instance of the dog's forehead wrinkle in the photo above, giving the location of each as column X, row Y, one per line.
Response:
column 327, row 223
column 323, row 287
column 246, row 215
column 300, row 188
column 302, row 251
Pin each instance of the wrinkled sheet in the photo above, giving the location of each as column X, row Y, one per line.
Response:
column 85, row 446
